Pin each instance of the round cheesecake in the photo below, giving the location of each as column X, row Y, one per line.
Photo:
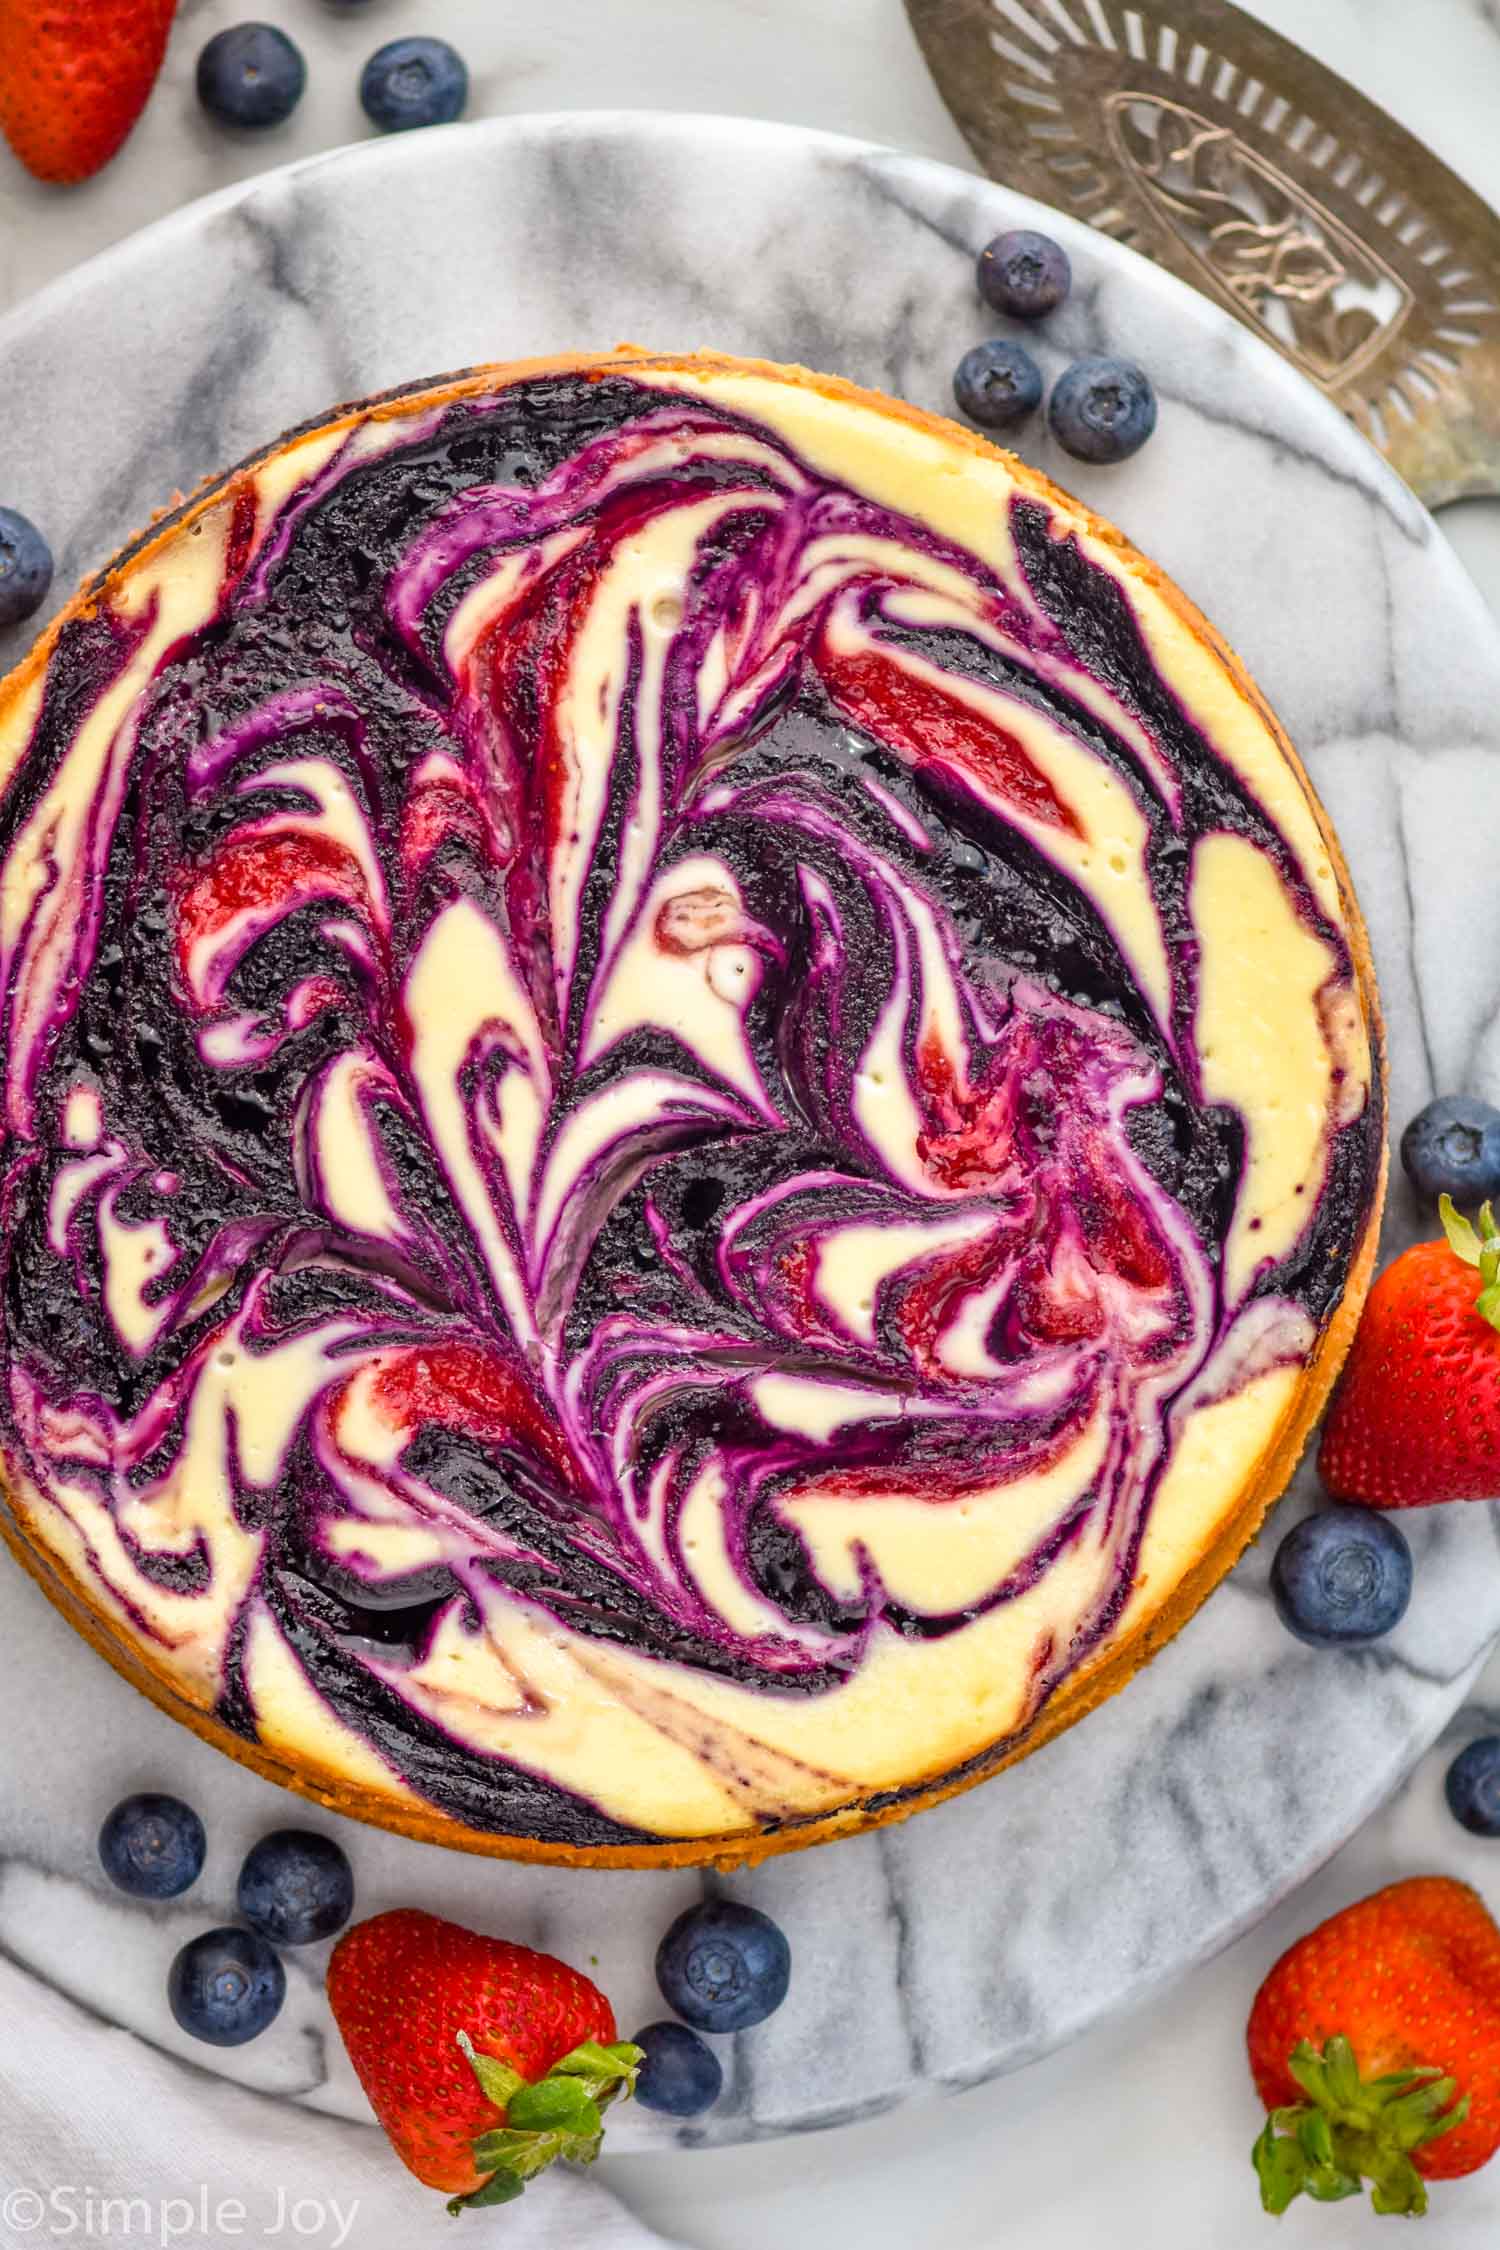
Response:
column 693, row 1110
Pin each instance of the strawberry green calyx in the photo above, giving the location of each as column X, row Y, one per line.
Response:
column 559, row 2116
column 1350, row 2130
column 1478, row 1246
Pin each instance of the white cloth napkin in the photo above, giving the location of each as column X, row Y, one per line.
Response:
column 103, row 2141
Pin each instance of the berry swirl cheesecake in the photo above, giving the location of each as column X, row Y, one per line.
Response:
column 693, row 1112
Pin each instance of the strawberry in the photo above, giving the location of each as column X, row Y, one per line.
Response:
column 484, row 2061
column 1401, row 1993
column 1416, row 1416
column 74, row 77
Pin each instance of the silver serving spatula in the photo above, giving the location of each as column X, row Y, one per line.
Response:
column 1192, row 132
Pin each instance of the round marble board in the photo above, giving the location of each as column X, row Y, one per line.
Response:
column 979, row 1935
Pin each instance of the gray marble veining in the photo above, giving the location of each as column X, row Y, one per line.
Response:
column 986, row 1932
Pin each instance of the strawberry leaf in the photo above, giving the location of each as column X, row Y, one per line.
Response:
column 555, row 2119
column 1316, row 2136
column 1411, row 2119
column 603, row 2072
column 555, row 2105
column 1325, row 2183
column 522, row 2153
column 497, row 2080
column 1352, row 2129
column 1401, row 2192
column 1480, row 1249
column 1281, row 2169
column 500, row 2187
column 1462, row 1240
column 1343, row 2072
column 1397, row 2081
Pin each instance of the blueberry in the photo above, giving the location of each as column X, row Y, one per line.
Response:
column 723, row 1966
column 414, row 82
column 1342, row 1576
column 296, row 1887
column 251, row 75
column 1452, row 1147
column 25, row 567
column 152, row 1846
column 679, row 2075
column 1102, row 409
column 226, row 1987
column 998, row 384
column 1024, row 274
column 1473, row 1786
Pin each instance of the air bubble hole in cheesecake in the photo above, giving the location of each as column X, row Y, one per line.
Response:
column 685, row 1086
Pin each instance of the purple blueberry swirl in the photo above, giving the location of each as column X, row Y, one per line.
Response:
column 670, row 1067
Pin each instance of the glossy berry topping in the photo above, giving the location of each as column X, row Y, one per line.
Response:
column 723, row 1966
column 1341, row 1577
column 251, row 76
column 414, row 82
column 152, row 1846
column 25, row 568
column 998, row 384
column 1102, row 410
column 680, row 1274
column 679, row 2075
column 296, row 1887
column 1472, row 1786
column 1452, row 1147
column 226, row 1987
column 1024, row 273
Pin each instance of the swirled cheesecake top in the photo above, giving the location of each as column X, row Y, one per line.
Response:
column 683, row 1088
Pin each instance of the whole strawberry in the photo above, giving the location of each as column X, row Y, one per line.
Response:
column 1416, row 1416
column 484, row 2061
column 1375, row 2044
column 74, row 77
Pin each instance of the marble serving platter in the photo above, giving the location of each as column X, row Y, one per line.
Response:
column 978, row 1936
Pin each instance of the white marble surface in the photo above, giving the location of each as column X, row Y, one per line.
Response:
column 1060, row 2150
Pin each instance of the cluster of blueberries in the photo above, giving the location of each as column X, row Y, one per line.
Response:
column 252, row 76
column 1102, row 409
column 722, row 1966
column 1343, row 1576
column 295, row 1887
